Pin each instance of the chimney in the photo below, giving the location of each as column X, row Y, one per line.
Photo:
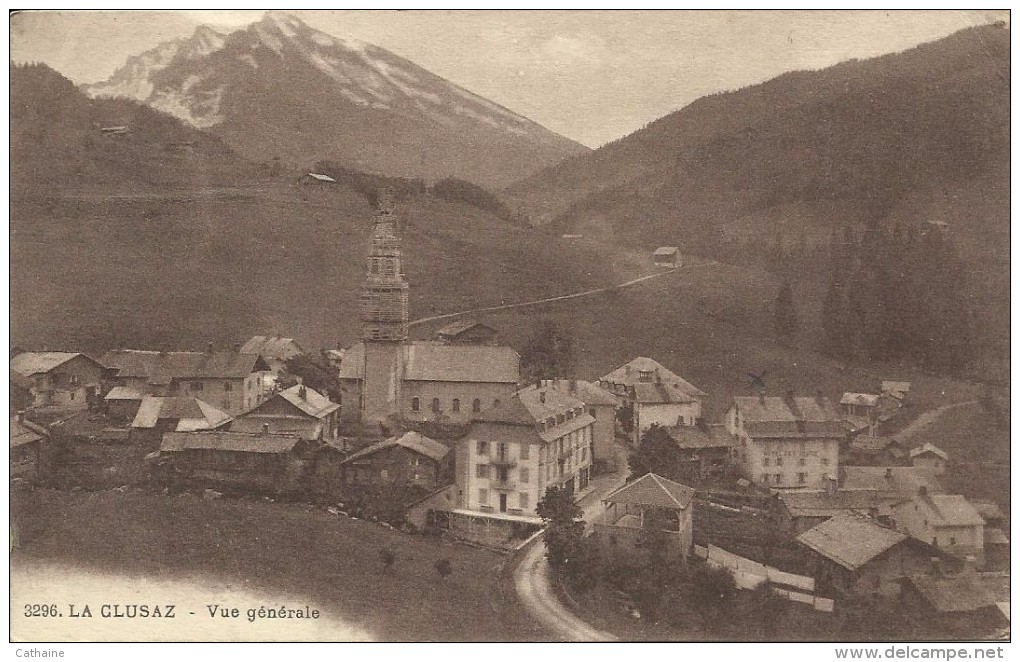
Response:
column 541, row 397
column 538, row 383
column 209, row 348
column 237, row 348
column 936, row 566
column 302, row 392
column 572, row 384
column 265, row 428
column 888, row 473
column 923, row 490
column 831, row 485
column 21, row 416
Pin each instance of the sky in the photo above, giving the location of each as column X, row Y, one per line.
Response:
column 592, row 76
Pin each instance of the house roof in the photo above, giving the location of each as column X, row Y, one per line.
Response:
column 660, row 394
column 952, row 594
column 25, row 432
column 544, row 402
column 321, row 178
column 823, row 504
column 123, row 393
column 863, row 399
column 995, row 536
column 272, row 347
column 776, row 417
column 512, row 412
column 457, row 328
column 866, row 442
column 413, row 441
column 952, row 510
column 306, row 428
column 666, row 250
column 895, row 387
column 890, row 481
column 313, row 403
column 227, row 441
column 988, row 510
column 587, row 392
column 35, row 363
column 163, row 367
column 191, row 413
column 850, row 541
column 439, row 362
column 653, row 490
column 928, row 447
column 694, row 437
column 629, row 374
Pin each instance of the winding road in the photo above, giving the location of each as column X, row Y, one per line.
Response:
column 536, row 302
column 925, row 419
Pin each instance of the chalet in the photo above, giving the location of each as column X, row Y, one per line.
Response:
column 298, row 410
column 930, row 456
column 649, row 505
column 63, row 380
column 854, row 556
column 436, row 381
column 897, row 390
column 600, row 405
column 788, row 442
column 540, row 438
column 706, row 450
column 236, row 461
column 411, row 459
column 468, row 332
column 315, row 179
column 892, row 483
column 229, row 380
column 27, row 441
column 859, row 405
column 122, row 403
column 954, row 604
column 947, row 521
column 667, row 256
column 802, row 510
column 876, row 450
column 158, row 415
column 657, row 395
column 274, row 350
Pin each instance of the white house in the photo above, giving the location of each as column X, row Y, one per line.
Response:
column 947, row 521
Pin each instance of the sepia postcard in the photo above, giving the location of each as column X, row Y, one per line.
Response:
column 510, row 326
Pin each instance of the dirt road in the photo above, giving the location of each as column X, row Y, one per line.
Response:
column 926, row 419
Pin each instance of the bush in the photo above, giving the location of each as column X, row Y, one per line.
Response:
column 444, row 568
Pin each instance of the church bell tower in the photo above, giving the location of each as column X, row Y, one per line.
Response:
column 383, row 317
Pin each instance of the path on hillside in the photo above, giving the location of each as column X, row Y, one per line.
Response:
column 532, row 575
column 536, row 302
column 925, row 420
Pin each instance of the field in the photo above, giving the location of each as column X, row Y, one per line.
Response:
column 277, row 548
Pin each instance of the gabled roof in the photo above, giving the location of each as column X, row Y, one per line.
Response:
column 776, row 417
column 867, row 442
column 902, row 482
column 457, row 328
column 511, row 412
column 629, row 374
column 544, row 402
column 660, row 394
column 823, row 504
column 587, row 392
column 163, row 367
column 928, row 447
column 312, row 403
column 850, row 541
column 695, row 437
column 413, row 441
column 952, row 510
column 666, row 250
column 227, row 441
column 653, row 490
column 989, row 511
column 861, row 399
column 35, row 363
column 953, row 594
column 123, row 393
column 439, row 362
column 272, row 347
column 895, row 387
column 322, row 178
column 190, row 413
column 25, row 432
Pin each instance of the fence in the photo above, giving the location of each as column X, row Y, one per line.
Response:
column 749, row 574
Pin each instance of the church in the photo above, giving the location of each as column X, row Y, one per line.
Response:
column 386, row 376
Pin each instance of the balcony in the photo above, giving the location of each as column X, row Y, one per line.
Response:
column 502, row 461
column 507, row 485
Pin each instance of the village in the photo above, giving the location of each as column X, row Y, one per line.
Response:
column 794, row 497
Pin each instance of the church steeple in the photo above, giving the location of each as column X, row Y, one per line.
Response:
column 384, row 299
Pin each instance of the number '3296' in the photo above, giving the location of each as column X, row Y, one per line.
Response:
column 41, row 610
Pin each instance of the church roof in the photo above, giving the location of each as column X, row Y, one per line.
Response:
column 438, row 362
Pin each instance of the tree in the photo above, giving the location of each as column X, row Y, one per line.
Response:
column 387, row 557
column 769, row 606
column 549, row 354
column 564, row 527
column 444, row 568
column 658, row 453
column 316, row 374
column 785, row 315
column 625, row 415
column 712, row 589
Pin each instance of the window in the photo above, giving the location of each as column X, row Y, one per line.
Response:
column 803, row 447
column 825, row 461
column 496, row 404
column 417, row 476
column 456, row 404
column 779, row 479
column 435, row 405
column 779, row 461
column 482, row 471
column 766, row 462
column 415, row 404
column 522, row 499
column 802, row 478
column 952, row 540
column 524, row 475
column 801, row 462
column 483, row 448
column 384, row 474
column 196, row 386
column 72, row 395
column 524, row 451
column 483, row 497
column 645, row 376
column 227, row 386
column 476, row 405
column 74, row 380
column 765, row 478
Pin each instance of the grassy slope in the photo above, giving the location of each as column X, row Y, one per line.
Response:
column 278, row 548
